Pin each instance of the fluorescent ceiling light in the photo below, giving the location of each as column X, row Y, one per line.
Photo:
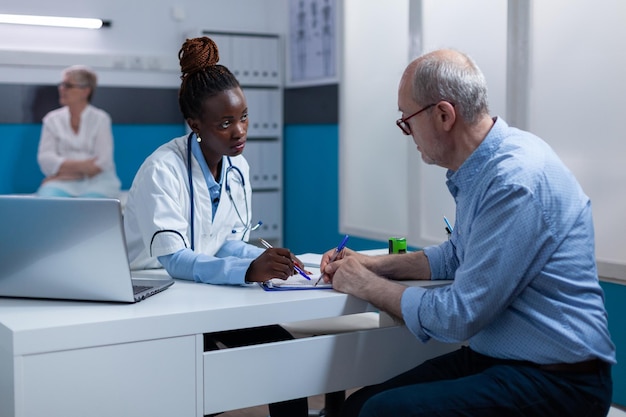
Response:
column 70, row 22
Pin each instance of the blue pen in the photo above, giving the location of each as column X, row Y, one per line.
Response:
column 445, row 219
column 296, row 267
column 336, row 254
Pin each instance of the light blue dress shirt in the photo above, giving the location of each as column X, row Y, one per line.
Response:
column 230, row 263
column 522, row 258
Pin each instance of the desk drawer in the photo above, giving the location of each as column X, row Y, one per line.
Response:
column 261, row 374
column 149, row 378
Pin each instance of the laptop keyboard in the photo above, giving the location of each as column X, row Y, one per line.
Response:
column 139, row 288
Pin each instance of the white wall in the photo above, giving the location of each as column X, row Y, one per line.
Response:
column 385, row 189
column 577, row 104
column 478, row 28
column 372, row 171
column 141, row 46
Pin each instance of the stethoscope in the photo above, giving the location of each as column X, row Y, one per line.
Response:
column 229, row 169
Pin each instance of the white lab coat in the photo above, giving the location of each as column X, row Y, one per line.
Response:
column 157, row 213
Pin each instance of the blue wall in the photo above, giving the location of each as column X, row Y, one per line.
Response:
column 20, row 173
column 615, row 297
column 311, row 190
column 133, row 143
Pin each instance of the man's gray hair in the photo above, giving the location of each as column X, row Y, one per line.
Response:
column 454, row 78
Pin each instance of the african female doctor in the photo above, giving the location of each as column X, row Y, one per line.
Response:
column 189, row 207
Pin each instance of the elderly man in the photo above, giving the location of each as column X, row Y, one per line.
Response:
column 525, row 292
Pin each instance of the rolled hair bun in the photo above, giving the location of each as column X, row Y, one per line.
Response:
column 197, row 54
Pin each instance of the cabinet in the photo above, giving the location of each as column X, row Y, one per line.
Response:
column 255, row 59
column 112, row 380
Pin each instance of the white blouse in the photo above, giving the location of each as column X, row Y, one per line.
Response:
column 94, row 139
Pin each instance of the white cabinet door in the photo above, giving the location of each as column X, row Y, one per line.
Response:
column 152, row 378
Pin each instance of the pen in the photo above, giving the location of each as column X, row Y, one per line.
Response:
column 334, row 257
column 296, row 267
column 448, row 225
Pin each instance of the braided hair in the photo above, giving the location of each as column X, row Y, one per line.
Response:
column 201, row 75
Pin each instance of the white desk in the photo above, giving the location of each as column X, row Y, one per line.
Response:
column 67, row 359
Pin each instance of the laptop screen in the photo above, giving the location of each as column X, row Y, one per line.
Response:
column 64, row 248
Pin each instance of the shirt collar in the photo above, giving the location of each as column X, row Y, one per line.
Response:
column 206, row 172
column 465, row 175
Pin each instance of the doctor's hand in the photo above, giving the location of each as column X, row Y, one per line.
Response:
column 273, row 263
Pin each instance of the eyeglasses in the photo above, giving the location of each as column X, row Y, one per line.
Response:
column 404, row 126
column 70, row 85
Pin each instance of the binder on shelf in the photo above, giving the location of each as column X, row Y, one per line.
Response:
column 225, row 46
column 274, row 109
column 271, row 157
column 255, row 111
column 253, row 58
column 267, row 207
column 252, row 153
column 264, row 107
column 264, row 158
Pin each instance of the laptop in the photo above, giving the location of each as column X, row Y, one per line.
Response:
column 68, row 248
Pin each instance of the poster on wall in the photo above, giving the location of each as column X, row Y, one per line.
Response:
column 312, row 45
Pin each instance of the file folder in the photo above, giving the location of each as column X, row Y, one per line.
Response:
column 296, row 282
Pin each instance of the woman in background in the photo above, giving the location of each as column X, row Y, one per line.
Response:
column 76, row 146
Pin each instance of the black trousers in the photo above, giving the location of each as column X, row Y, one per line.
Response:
column 466, row 383
column 255, row 336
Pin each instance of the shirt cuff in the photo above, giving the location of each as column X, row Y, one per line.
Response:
column 186, row 264
column 436, row 258
column 410, row 304
column 235, row 272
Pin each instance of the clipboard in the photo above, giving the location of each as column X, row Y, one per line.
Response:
column 296, row 282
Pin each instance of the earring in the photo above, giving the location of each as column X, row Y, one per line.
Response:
column 198, row 138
